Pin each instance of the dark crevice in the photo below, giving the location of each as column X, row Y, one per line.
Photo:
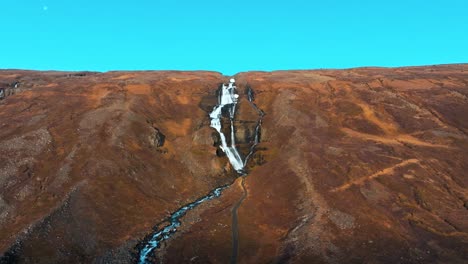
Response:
column 235, row 225
column 158, row 138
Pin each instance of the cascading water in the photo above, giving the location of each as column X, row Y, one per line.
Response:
column 227, row 100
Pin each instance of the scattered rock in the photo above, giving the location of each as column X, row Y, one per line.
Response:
column 341, row 220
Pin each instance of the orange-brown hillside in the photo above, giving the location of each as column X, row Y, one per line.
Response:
column 363, row 165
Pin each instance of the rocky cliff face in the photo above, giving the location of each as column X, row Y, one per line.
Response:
column 362, row 165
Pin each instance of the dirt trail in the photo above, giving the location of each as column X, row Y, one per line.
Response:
column 386, row 171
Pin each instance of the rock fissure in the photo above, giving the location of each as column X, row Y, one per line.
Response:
column 235, row 224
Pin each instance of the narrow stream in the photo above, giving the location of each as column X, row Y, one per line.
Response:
column 174, row 220
column 227, row 100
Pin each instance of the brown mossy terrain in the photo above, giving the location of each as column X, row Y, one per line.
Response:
column 363, row 165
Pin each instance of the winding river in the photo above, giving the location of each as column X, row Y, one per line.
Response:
column 227, row 102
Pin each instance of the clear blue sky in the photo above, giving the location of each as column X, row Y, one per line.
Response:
column 230, row 36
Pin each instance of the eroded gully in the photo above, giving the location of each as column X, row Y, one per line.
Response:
column 227, row 102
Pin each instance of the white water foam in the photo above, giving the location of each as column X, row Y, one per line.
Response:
column 227, row 98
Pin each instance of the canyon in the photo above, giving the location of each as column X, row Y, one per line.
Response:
column 364, row 165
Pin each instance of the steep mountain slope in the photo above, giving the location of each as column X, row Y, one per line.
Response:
column 361, row 165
